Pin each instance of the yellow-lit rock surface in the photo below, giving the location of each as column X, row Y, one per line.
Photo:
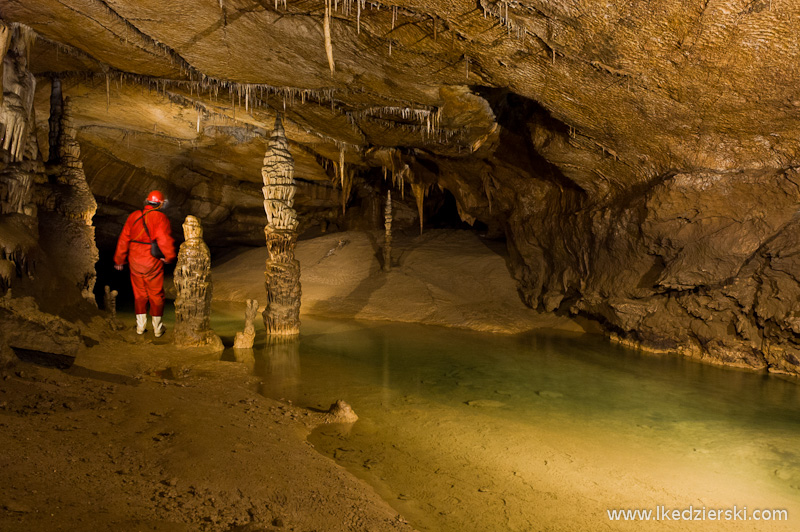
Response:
column 444, row 277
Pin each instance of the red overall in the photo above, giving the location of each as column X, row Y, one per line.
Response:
column 147, row 272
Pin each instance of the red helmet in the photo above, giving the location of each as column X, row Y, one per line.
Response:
column 155, row 197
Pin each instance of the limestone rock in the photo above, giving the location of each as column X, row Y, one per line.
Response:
column 282, row 276
column 23, row 325
column 110, row 305
column 244, row 339
column 194, row 289
column 7, row 357
column 639, row 170
column 340, row 412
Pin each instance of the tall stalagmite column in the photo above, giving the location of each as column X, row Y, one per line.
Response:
column 282, row 276
column 72, row 201
column 194, row 288
column 387, row 240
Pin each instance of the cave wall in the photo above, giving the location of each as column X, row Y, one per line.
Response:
column 639, row 157
column 47, row 246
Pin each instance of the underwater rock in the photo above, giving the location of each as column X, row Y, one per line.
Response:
column 340, row 412
column 485, row 403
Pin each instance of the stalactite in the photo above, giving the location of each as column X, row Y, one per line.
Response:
column 194, row 290
column 5, row 42
column 26, row 37
column 56, row 110
column 420, row 191
column 345, row 178
column 19, row 86
column 8, row 271
column 488, row 183
column 387, row 239
column 326, row 29
column 282, row 276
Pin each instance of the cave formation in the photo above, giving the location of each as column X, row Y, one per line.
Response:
column 640, row 162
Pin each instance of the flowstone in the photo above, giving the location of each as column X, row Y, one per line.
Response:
column 194, row 289
column 282, row 276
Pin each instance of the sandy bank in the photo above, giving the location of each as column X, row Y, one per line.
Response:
column 443, row 277
column 138, row 435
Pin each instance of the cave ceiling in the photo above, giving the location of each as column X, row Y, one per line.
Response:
column 481, row 97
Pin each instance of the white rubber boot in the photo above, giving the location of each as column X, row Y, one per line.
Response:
column 158, row 327
column 141, row 323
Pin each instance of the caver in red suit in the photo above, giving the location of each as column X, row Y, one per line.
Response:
column 147, row 271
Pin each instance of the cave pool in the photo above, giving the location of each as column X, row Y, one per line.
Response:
column 546, row 430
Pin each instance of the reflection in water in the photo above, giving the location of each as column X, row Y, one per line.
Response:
column 245, row 356
column 280, row 367
column 467, row 431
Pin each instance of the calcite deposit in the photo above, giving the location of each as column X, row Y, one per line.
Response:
column 282, row 277
column 110, row 306
column 387, row 236
column 244, row 339
column 639, row 157
column 194, row 290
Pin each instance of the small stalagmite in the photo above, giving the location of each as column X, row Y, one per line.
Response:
column 110, row 304
column 193, row 286
column 387, row 239
column 282, row 275
column 340, row 412
column 244, row 339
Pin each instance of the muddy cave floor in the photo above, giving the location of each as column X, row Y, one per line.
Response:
column 140, row 435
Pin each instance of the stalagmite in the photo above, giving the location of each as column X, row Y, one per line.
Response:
column 340, row 412
column 70, row 203
column 110, row 304
column 387, row 239
column 282, row 276
column 194, row 289
column 244, row 339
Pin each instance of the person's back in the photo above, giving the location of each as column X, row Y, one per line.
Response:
column 134, row 246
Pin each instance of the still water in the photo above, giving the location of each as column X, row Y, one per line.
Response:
column 541, row 431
